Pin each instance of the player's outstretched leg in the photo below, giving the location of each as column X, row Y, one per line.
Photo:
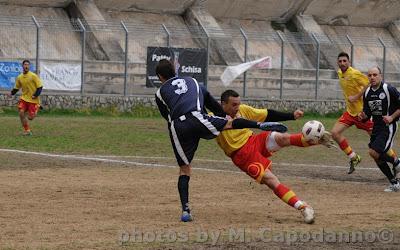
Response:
column 288, row 196
column 299, row 140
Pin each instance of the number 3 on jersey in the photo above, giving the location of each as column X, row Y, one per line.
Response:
column 181, row 84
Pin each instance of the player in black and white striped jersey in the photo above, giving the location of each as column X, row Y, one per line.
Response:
column 382, row 103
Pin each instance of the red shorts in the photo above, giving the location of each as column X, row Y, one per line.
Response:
column 31, row 108
column 350, row 120
column 252, row 158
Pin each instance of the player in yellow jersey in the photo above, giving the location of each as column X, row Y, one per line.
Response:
column 29, row 101
column 353, row 84
column 250, row 152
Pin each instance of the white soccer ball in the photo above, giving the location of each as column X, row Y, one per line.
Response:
column 313, row 131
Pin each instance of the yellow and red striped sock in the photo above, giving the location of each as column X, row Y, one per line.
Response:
column 345, row 147
column 298, row 140
column 391, row 153
column 26, row 127
column 288, row 196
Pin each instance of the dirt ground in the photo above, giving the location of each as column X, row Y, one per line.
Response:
column 59, row 203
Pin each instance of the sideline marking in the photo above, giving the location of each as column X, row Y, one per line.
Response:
column 76, row 157
column 104, row 158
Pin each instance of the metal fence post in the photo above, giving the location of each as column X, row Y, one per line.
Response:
column 37, row 44
column 384, row 57
column 352, row 49
column 245, row 60
column 208, row 53
column 126, row 58
column 317, row 66
column 282, row 63
column 83, row 54
column 168, row 35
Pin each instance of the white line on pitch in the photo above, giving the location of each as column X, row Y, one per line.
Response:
column 109, row 160
column 104, row 159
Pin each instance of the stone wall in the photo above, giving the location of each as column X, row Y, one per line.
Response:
column 125, row 104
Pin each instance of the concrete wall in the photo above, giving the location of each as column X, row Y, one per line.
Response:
column 155, row 6
column 259, row 46
column 139, row 41
column 20, row 42
column 368, row 52
column 376, row 13
column 37, row 3
column 339, row 12
column 125, row 104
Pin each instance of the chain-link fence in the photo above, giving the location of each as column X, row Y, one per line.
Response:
column 110, row 57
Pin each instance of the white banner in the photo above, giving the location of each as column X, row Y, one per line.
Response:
column 61, row 76
column 231, row 72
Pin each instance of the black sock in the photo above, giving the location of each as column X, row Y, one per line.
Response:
column 385, row 157
column 183, row 188
column 384, row 167
column 240, row 123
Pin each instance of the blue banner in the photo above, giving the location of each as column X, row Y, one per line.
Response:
column 9, row 72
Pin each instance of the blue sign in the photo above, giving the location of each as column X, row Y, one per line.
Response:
column 9, row 72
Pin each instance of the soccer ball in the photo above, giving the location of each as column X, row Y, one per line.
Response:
column 313, row 131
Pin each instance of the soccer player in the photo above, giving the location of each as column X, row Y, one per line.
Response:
column 250, row 152
column 353, row 84
column 182, row 102
column 382, row 102
column 29, row 101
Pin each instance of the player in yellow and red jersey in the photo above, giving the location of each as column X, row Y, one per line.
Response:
column 250, row 152
column 29, row 101
column 353, row 84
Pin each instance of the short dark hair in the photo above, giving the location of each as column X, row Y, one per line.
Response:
column 228, row 93
column 165, row 69
column 343, row 54
column 26, row 61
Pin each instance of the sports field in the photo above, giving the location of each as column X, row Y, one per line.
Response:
column 103, row 182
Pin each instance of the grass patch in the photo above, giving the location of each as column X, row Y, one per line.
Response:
column 139, row 111
column 130, row 134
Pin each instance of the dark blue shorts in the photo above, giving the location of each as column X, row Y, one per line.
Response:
column 382, row 137
column 185, row 133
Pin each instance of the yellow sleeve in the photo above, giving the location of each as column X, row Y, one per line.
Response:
column 37, row 81
column 17, row 83
column 253, row 114
column 361, row 79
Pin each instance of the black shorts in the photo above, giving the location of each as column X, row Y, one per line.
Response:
column 382, row 137
column 185, row 133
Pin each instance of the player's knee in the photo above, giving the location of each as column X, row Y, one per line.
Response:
column 373, row 154
column 282, row 139
column 270, row 180
column 31, row 117
column 185, row 170
column 335, row 134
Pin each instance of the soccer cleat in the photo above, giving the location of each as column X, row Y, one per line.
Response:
column 326, row 140
column 186, row 216
column 308, row 214
column 353, row 163
column 273, row 126
column 27, row 133
column 393, row 187
column 396, row 169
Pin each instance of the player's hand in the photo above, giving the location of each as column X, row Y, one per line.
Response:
column 362, row 116
column 298, row 114
column 387, row 119
column 353, row 98
column 273, row 126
